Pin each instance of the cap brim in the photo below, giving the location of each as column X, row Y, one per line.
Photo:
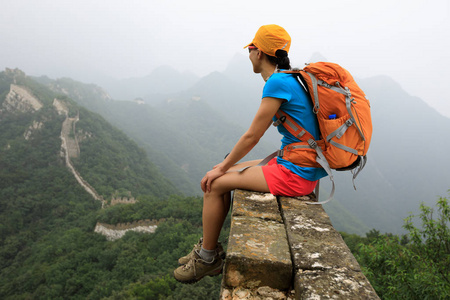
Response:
column 248, row 45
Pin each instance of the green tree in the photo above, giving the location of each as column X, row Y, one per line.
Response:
column 416, row 266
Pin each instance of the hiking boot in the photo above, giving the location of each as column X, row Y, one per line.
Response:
column 197, row 268
column 185, row 259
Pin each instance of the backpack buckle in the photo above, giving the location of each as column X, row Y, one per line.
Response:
column 312, row 143
column 279, row 121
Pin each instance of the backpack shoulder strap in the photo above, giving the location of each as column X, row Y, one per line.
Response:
column 288, row 122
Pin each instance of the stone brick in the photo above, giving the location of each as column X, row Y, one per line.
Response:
column 257, row 246
column 258, row 205
column 298, row 207
column 333, row 284
column 258, row 254
column 261, row 293
column 314, row 243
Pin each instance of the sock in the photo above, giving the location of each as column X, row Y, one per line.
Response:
column 207, row 255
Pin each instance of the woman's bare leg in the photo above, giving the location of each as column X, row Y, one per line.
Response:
column 217, row 202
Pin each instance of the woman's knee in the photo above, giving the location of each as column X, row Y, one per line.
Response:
column 250, row 179
column 218, row 189
column 223, row 185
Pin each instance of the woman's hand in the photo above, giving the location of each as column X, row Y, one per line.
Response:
column 212, row 175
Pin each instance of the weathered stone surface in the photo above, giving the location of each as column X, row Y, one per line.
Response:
column 258, row 254
column 314, row 243
column 298, row 207
column 258, row 205
column 260, row 264
column 114, row 234
column 333, row 284
column 20, row 99
column 261, row 293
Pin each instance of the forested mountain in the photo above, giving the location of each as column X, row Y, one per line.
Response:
column 60, row 165
column 110, row 160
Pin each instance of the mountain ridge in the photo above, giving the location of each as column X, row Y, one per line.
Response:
column 26, row 97
column 163, row 78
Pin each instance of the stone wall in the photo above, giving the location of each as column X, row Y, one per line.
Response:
column 122, row 200
column 68, row 130
column 283, row 248
column 114, row 232
column 70, row 148
column 20, row 99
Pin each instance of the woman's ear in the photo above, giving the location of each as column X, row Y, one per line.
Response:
column 260, row 54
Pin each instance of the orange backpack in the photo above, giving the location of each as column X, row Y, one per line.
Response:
column 345, row 123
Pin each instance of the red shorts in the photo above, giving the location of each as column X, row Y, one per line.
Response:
column 283, row 182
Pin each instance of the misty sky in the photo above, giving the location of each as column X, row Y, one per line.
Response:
column 407, row 40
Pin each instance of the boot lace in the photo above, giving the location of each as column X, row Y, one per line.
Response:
column 191, row 264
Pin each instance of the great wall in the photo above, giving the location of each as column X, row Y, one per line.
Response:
column 114, row 232
column 70, row 149
column 21, row 99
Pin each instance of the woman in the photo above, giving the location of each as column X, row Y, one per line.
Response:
column 267, row 52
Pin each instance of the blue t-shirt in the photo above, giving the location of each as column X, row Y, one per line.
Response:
column 300, row 108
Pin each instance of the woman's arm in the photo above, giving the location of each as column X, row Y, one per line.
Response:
column 261, row 122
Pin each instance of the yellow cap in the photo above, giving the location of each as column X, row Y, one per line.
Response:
column 270, row 38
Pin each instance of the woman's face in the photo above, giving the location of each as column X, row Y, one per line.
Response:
column 254, row 56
